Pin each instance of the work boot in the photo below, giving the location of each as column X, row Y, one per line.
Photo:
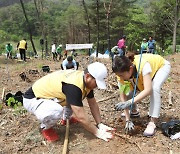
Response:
column 50, row 134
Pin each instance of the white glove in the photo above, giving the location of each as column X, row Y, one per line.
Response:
column 103, row 127
column 102, row 134
column 67, row 112
column 129, row 126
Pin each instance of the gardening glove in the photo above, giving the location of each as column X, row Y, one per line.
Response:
column 101, row 126
column 129, row 126
column 104, row 135
column 67, row 112
column 123, row 105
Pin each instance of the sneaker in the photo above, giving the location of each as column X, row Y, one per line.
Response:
column 72, row 120
column 150, row 129
column 132, row 115
column 135, row 115
column 50, row 134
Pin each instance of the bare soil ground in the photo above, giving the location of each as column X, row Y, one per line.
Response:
column 19, row 132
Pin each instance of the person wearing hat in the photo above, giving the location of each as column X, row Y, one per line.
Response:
column 144, row 46
column 122, row 46
column 47, row 96
column 59, row 51
column 69, row 63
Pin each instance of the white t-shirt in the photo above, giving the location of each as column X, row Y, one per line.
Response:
column 53, row 48
column 146, row 69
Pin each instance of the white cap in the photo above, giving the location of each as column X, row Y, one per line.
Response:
column 99, row 72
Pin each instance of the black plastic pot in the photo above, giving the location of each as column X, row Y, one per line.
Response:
column 18, row 96
column 46, row 69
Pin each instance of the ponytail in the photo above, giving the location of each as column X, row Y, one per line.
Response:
column 130, row 56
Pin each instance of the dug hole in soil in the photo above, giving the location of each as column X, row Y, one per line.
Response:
column 19, row 130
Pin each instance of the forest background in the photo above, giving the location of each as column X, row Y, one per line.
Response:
column 101, row 22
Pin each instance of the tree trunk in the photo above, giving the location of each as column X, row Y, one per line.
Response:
column 174, row 37
column 176, row 19
column 41, row 25
column 30, row 32
column 88, row 23
column 108, row 24
column 97, row 7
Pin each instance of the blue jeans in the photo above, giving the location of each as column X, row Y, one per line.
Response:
column 121, row 52
column 152, row 51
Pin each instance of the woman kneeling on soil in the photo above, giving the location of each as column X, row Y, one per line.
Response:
column 153, row 72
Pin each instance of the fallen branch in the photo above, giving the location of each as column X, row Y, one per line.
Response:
column 66, row 138
column 129, row 140
column 105, row 99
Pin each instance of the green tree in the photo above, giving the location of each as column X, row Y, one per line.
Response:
column 137, row 28
column 165, row 16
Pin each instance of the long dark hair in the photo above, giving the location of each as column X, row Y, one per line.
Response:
column 122, row 63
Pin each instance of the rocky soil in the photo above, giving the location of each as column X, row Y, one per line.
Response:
column 19, row 130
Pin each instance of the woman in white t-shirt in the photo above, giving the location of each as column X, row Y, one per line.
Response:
column 153, row 72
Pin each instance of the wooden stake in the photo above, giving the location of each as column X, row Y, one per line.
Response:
column 66, row 138
column 3, row 93
column 170, row 98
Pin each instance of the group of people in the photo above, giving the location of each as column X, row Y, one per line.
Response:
column 21, row 46
column 59, row 95
column 120, row 48
column 148, row 46
column 57, row 52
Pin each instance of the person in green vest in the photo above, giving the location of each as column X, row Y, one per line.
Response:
column 144, row 46
column 49, row 95
column 9, row 51
column 153, row 72
column 59, row 51
column 22, row 47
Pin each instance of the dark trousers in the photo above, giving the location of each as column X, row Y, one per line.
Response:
column 54, row 56
column 9, row 55
column 152, row 51
column 22, row 54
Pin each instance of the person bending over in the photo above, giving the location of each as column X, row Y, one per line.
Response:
column 47, row 96
column 69, row 63
column 154, row 71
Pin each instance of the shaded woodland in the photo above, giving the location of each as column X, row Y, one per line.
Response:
column 102, row 22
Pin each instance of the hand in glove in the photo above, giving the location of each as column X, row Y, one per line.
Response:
column 123, row 105
column 104, row 135
column 101, row 126
column 129, row 126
